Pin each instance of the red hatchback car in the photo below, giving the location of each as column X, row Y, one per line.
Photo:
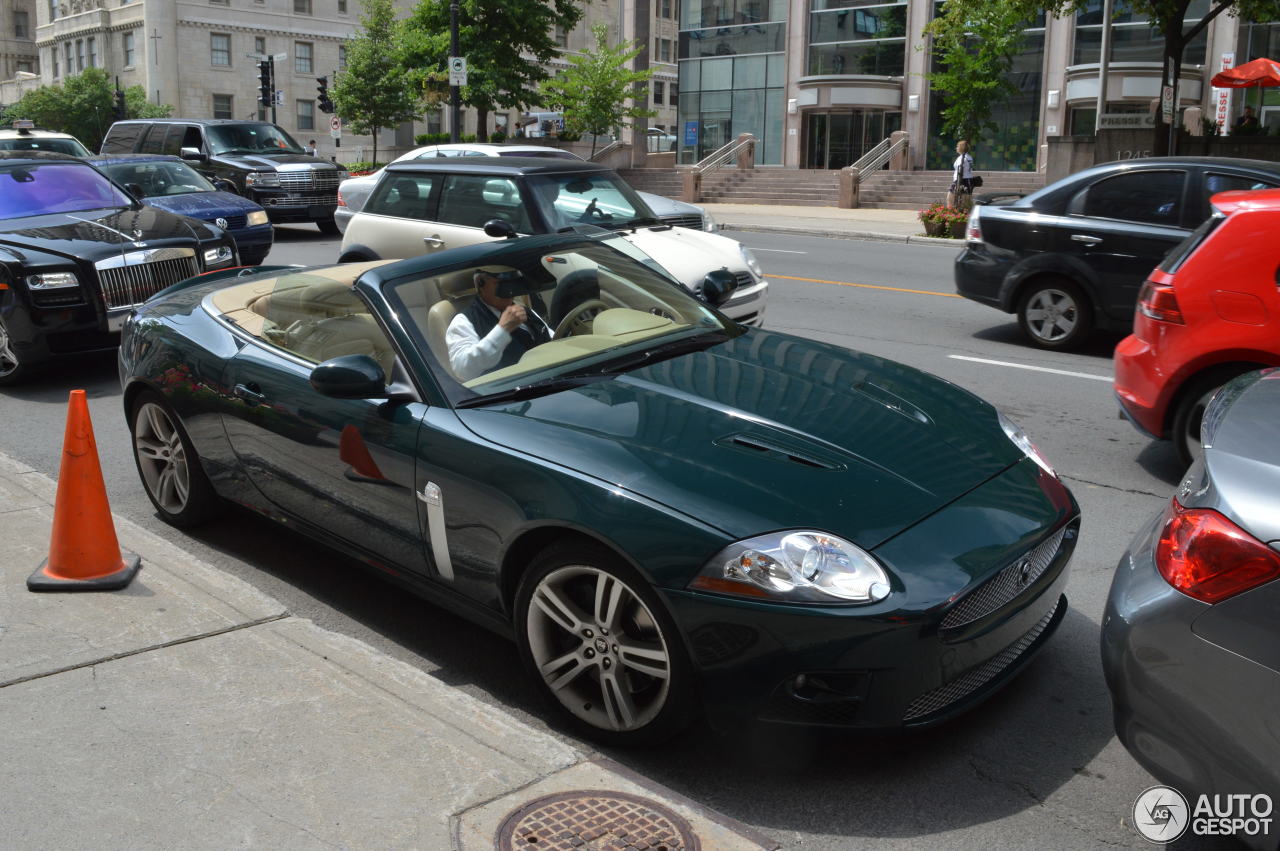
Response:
column 1209, row 312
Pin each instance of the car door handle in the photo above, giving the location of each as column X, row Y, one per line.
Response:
column 250, row 393
column 1085, row 238
column 433, row 241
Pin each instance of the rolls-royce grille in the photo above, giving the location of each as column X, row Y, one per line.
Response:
column 1005, row 585
column 132, row 284
column 684, row 220
column 975, row 678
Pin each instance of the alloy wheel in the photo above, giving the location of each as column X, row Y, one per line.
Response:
column 1052, row 315
column 162, row 459
column 9, row 362
column 599, row 650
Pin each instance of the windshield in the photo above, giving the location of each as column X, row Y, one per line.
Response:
column 61, row 187
column 158, row 177
column 602, row 199
column 32, row 143
column 588, row 311
column 251, row 139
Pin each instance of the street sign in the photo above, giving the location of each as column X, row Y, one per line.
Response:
column 457, row 70
column 279, row 97
column 335, row 124
column 280, row 57
column 1166, row 103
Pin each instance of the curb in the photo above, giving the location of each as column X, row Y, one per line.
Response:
column 865, row 236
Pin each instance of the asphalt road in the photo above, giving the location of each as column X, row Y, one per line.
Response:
column 1035, row 766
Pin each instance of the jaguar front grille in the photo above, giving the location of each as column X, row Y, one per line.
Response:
column 132, row 279
column 1005, row 585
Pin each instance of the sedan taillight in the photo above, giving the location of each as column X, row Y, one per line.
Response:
column 1206, row 556
column 1157, row 301
column 973, row 231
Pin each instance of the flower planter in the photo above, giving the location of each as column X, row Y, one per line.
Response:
column 933, row 228
column 958, row 229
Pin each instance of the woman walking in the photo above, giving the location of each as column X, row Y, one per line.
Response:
column 961, row 191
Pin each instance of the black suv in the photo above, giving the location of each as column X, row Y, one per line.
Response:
column 78, row 253
column 257, row 158
column 1072, row 257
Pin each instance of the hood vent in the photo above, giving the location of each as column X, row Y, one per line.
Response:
column 777, row 451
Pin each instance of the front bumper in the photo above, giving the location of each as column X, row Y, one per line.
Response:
column 1194, row 714
column 253, row 239
column 284, row 206
column 747, row 304
column 893, row 665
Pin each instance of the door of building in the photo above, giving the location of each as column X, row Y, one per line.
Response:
column 838, row 139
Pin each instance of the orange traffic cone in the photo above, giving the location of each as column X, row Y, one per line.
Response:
column 84, row 554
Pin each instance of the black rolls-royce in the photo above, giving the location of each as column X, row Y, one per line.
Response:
column 78, row 253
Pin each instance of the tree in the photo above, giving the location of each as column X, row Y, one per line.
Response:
column 592, row 94
column 373, row 92
column 506, row 43
column 82, row 106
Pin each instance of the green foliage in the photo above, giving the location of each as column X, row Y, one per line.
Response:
column 441, row 138
column 364, row 167
column 975, row 43
column 497, row 37
column 593, row 91
column 82, row 106
column 373, row 92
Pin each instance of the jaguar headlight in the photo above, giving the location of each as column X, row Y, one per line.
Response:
column 257, row 217
column 802, row 566
column 262, row 178
column 52, row 280
column 217, row 256
column 752, row 263
column 1020, row 440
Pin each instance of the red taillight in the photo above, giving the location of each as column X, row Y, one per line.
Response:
column 1157, row 301
column 973, row 232
column 341, row 203
column 1206, row 556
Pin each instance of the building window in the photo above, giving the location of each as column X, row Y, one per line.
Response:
column 53, row 57
column 126, row 46
column 79, row 54
column 306, row 115
column 222, row 107
column 302, row 57
column 93, row 52
column 220, row 2
column 667, row 11
column 21, row 25
column 67, row 51
column 53, row 10
column 342, row 7
column 342, row 56
column 674, row 95
column 260, row 45
column 220, row 49
column 659, row 92
column 302, row 7
column 26, row 65
column 562, row 37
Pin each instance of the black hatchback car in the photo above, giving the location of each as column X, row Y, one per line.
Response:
column 77, row 254
column 1071, row 257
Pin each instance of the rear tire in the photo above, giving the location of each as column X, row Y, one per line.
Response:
column 1055, row 314
column 1189, row 412
column 168, row 465
column 328, row 226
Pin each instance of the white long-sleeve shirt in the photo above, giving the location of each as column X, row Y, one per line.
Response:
column 471, row 356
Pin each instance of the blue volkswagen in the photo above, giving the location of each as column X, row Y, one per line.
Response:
column 173, row 186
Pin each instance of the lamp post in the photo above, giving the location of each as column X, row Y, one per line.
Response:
column 455, row 93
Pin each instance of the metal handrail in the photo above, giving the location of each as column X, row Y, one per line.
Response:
column 718, row 159
column 605, row 151
column 873, row 159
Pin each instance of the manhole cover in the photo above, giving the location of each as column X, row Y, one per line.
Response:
column 595, row 821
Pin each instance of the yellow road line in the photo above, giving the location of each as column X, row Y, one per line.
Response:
column 861, row 286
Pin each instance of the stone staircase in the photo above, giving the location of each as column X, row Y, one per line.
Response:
column 915, row 190
column 884, row 190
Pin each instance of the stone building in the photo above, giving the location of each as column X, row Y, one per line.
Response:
column 17, row 41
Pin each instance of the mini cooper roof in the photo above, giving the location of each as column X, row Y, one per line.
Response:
column 502, row 165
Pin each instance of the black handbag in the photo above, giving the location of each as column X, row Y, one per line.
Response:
column 976, row 180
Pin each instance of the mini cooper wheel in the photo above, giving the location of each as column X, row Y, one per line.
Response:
column 1055, row 314
column 168, row 464
column 594, row 635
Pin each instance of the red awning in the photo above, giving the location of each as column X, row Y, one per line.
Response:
column 1259, row 72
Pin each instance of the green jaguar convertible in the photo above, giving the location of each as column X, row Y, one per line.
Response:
column 670, row 513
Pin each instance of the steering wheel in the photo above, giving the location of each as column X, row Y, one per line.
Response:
column 589, row 212
column 576, row 315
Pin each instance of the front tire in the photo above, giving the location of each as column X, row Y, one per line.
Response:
column 595, row 637
column 168, row 465
column 1055, row 314
column 13, row 369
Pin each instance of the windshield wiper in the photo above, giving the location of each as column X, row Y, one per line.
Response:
column 532, row 390
column 660, row 352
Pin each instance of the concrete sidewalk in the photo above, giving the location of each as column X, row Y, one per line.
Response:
column 860, row 223
column 189, row 710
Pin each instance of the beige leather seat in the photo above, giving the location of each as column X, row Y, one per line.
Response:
column 433, row 304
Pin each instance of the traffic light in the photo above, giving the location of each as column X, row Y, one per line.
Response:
column 118, row 110
column 322, row 94
column 265, row 94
